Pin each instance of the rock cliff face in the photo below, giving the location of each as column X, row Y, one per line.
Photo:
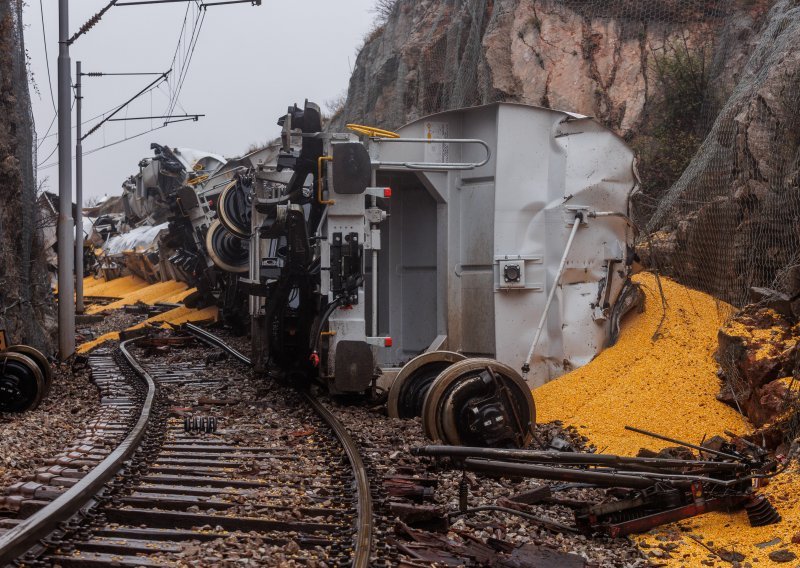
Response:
column 704, row 90
column 26, row 303
column 593, row 57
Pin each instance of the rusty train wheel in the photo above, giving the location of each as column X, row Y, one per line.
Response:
column 229, row 252
column 407, row 393
column 21, row 383
column 40, row 360
column 479, row 402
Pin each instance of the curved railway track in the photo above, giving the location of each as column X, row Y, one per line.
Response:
column 168, row 484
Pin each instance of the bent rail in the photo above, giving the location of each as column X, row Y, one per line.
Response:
column 25, row 535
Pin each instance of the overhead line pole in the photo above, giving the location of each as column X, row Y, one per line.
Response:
column 78, row 195
column 79, row 237
column 66, row 310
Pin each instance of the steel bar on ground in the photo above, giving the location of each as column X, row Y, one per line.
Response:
column 563, row 474
column 570, row 458
column 686, row 444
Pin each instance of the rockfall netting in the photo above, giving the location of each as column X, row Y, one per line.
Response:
column 26, row 302
column 730, row 222
column 705, row 91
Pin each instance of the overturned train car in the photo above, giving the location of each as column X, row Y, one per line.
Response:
column 473, row 254
column 171, row 227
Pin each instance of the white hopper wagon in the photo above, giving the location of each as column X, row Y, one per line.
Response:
column 482, row 251
column 469, row 255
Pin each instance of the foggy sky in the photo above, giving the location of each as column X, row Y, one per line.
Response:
column 249, row 64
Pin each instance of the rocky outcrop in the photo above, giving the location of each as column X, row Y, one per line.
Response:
column 26, row 302
column 704, row 90
column 757, row 353
column 595, row 58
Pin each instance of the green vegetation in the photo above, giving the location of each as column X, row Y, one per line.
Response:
column 678, row 117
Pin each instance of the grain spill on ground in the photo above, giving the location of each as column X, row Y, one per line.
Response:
column 131, row 290
column 175, row 316
column 116, row 288
column 732, row 533
column 152, row 294
column 667, row 385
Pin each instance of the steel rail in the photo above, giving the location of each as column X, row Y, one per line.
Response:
column 363, row 541
column 210, row 339
column 25, row 535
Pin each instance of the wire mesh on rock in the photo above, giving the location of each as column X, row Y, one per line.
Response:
column 705, row 91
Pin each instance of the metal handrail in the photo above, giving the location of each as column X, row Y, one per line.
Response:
column 434, row 166
column 26, row 534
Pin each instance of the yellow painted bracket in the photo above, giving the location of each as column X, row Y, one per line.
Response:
column 197, row 179
column 372, row 131
column 319, row 181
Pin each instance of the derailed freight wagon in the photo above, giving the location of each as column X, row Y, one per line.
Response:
column 467, row 246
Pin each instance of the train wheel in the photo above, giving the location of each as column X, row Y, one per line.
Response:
column 407, row 393
column 21, row 383
column 234, row 209
column 40, row 360
column 229, row 252
column 479, row 402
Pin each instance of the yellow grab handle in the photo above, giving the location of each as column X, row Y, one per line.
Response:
column 372, row 131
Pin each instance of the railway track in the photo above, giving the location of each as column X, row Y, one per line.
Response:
column 184, row 475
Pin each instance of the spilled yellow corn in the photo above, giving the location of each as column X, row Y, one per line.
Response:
column 116, row 288
column 152, row 294
column 732, row 531
column 667, row 385
column 175, row 317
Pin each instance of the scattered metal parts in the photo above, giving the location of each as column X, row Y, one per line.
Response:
column 653, row 491
column 761, row 512
column 479, row 402
column 202, row 424
column 407, row 393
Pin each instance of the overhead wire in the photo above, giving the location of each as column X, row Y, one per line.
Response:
column 47, row 59
column 178, row 45
column 93, row 150
column 50, row 155
column 186, row 59
column 172, row 96
column 188, row 63
column 101, row 115
column 49, row 79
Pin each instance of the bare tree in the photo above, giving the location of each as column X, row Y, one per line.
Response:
column 383, row 9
